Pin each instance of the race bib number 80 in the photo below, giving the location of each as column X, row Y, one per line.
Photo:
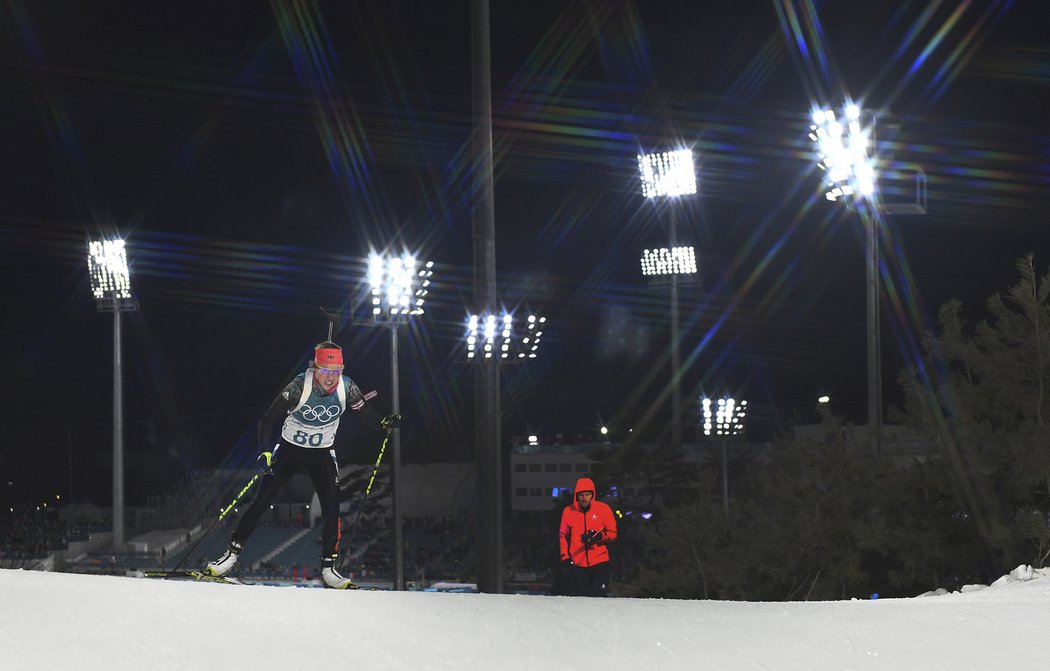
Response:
column 311, row 439
column 299, row 433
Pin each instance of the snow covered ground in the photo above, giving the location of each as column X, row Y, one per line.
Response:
column 65, row 621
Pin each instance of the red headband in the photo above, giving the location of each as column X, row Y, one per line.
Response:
column 328, row 356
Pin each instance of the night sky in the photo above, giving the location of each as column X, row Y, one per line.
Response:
column 252, row 158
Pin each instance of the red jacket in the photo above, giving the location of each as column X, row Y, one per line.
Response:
column 574, row 522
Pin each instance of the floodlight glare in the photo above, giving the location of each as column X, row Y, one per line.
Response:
column 673, row 261
column 108, row 269
column 668, row 173
column 845, row 152
column 489, row 341
column 399, row 286
column 723, row 417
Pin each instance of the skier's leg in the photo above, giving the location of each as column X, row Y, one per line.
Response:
column 283, row 468
column 324, row 473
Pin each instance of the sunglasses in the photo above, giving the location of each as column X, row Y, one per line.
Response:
column 329, row 371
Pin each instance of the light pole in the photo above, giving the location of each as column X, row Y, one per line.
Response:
column 492, row 341
column 846, row 149
column 848, row 152
column 111, row 287
column 724, row 418
column 488, row 439
column 672, row 267
column 671, row 174
column 399, row 286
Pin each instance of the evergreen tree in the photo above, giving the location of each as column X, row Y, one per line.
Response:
column 980, row 398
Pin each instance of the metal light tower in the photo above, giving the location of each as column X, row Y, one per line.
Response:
column 724, row 418
column 845, row 146
column 864, row 180
column 492, row 341
column 111, row 287
column 671, row 174
column 488, row 439
column 399, row 287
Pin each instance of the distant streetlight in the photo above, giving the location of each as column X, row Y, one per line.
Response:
column 724, row 418
column 399, row 285
column 111, row 288
column 823, row 400
column 670, row 174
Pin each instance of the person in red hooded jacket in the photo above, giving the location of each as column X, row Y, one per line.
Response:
column 587, row 527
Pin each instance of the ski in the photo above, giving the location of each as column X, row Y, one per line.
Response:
column 195, row 576
column 200, row 576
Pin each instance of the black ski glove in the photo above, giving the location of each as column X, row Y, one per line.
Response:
column 390, row 422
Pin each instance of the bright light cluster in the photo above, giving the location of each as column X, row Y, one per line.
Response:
column 673, row 261
column 668, row 173
column 108, row 269
column 726, row 418
column 399, row 286
column 844, row 148
column 489, row 337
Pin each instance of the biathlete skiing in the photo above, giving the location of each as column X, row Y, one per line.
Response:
column 311, row 407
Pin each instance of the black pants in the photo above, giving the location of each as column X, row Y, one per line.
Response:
column 589, row 580
column 321, row 466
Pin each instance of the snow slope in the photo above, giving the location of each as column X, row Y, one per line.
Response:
column 65, row 621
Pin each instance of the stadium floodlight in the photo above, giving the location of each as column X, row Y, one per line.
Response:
column 492, row 338
column 400, row 285
column 109, row 275
column 669, row 261
column 111, row 288
column 669, row 173
column 723, row 419
column 845, row 147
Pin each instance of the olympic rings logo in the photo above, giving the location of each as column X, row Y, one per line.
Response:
column 320, row 413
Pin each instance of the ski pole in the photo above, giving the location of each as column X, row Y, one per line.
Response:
column 360, row 510
column 225, row 511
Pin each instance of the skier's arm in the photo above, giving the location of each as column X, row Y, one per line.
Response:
column 277, row 411
column 370, row 417
column 355, row 400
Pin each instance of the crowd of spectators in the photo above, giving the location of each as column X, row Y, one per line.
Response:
column 26, row 535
